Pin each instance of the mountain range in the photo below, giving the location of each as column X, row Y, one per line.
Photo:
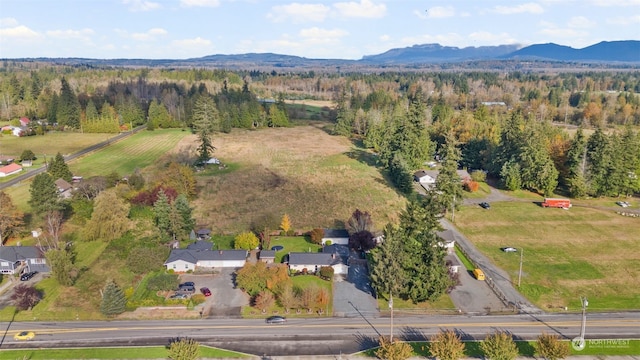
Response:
column 626, row 52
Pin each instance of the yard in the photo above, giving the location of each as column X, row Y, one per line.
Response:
column 567, row 253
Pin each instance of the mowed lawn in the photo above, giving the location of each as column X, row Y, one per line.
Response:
column 567, row 253
column 50, row 144
column 317, row 179
column 135, row 152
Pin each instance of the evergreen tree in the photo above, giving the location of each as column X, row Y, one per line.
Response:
column 400, row 175
column 68, row 108
column 91, row 111
column 576, row 165
column 113, row 300
column 58, row 169
column 44, row 195
column 627, row 169
column 159, row 116
column 387, row 275
column 181, row 205
column 448, row 182
column 206, row 121
column 599, row 161
column 162, row 212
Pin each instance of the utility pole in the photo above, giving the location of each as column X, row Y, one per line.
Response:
column 391, row 307
column 520, row 272
column 585, row 303
column 453, row 209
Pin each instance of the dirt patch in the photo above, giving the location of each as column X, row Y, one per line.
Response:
column 318, row 103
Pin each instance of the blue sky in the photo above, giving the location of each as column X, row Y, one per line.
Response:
column 344, row 29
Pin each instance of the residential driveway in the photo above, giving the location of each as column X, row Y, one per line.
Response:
column 226, row 300
column 352, row 294
column 7, row 288
column 475, row 297
column 500, row 278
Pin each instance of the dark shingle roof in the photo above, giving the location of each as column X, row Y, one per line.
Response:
column 320, row 259
column 19, row 253
column 200, row 245
column 336, row 233
column 267, row 254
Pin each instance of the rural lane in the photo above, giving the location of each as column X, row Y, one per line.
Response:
column 73, row 156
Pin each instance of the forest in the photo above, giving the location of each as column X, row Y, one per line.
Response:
column 573, row 133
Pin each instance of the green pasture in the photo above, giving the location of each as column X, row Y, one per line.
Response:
column 50, row 144
column 567, row 253
column 123, row 157
column 150, row 352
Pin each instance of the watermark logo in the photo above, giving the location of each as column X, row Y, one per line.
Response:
column 580, row 344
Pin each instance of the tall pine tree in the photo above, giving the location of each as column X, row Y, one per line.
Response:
column 113, row 300
column 44, row 195
column 58, row 168
column 68, row 107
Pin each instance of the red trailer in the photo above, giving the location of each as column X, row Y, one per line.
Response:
column 557, row 203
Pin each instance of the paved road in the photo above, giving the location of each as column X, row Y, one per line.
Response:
column 33, row 172
column 313, row 336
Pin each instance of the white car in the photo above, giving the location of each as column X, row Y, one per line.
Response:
column 624, row 204
column 509, row 249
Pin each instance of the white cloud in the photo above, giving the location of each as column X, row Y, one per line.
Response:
column 450, row 39
column 615, row 3
column 437, row 12
column 200, row 3
column 362, row 9
column 551, row 31
column 8, row 22
column 384, row 38
column 580, row 22
column 624, row 20
column 532, row 8
column 299, row 13
column 141, row 5
column 484, row 38
column 322, row 35
column 84, row 34
column 18, row 32
column 150, row 35
column 194, row 43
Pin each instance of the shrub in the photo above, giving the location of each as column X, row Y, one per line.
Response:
column 446, row 345
column 393, row 350
column 316, row 236
column 326, row 272
column 499, row 346
column 183, row 349
column 550, row 347
column 470, row 185
column 478, row 176
column 25, row 297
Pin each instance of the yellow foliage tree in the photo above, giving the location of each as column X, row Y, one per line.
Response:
column 285, row 225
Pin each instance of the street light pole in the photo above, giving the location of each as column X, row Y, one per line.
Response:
column 520, row 272
column 585, row 303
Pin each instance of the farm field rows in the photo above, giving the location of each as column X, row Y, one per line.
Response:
column 567, row 253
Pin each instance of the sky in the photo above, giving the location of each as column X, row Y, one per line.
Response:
column 344, row 29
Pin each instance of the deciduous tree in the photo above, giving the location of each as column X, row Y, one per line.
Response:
column 393, row 350
column 60, row 260
column 446, row 345
column 551, row 347
column 285, row 224
column 246, row 240
column 183, row 349
column 11, row 219
column 25, row 297
column 110, row 217
column 499, row 346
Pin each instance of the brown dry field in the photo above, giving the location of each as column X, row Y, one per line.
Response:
column 318, row 103
column 315, row 178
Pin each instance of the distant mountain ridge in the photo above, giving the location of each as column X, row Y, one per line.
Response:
column 610, row 52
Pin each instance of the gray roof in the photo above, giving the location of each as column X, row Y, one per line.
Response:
column 62, row 185
column 267, row 254
column 446, row 235
column 336, row 233
column 193, row 256
column 203, row 232
column 200, row 245
column 320, row 259
column 20, row 253
column 330, row 249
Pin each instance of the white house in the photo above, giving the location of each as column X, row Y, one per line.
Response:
column 200, row 255
column 312, row 262
column 452, row 263
column 335, row 236
column 10, row 169
column 447, row 240
column 424, row 178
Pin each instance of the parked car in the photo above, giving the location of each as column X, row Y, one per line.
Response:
column 509, row 249
column 187, row 284
column 186, row 289
column 624, row 204
column 205, row 291
column 276, row 320
column 24, row 335
column 485, row 205
column 28, row 276
column 179, row 296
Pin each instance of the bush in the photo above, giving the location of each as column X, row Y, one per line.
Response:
column 446, row 345
column 470, row 185
column 550, row 347
column 183, row 349
column 326, row 272
column 478, row 176
column 499, row 346
column 316, row 236
column 393, row 350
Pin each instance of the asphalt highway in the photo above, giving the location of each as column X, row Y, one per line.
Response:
column 325, row 336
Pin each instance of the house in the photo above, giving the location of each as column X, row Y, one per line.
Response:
column 17, row 259
column 64, row 188
column 424, row 178
column 203, row 234
column 452, row 263
column 10, row 169
column 447, row 240
column 312, row 262
column 267, row 256
column 200, row 255
column 335, row 236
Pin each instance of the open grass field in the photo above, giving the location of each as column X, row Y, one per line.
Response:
column 567, row 253
column 148, row 352
column 135, row 152
column 316, row 178
column 50, row 144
